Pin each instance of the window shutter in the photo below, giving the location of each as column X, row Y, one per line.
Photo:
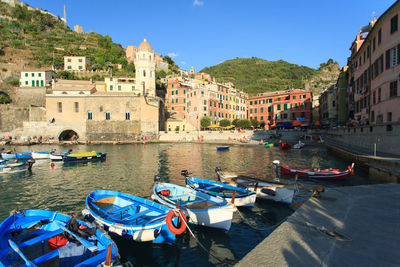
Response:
column 388, row 59
column 398, row 54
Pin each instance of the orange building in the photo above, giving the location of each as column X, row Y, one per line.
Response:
column 282, row 106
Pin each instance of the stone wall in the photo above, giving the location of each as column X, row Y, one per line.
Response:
column 207, row 135
column 26, row 96
column 12, row 117
column 362, row 139
column 111, row 130
column 37, row 114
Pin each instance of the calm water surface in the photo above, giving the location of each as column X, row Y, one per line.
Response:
column 131, row 169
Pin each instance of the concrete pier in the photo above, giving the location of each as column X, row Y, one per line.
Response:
column 367, row 217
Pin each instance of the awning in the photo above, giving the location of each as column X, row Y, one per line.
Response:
column 296, row 123
column 214, row 126
column 229, row 127
column 287, row 123
column 301, row 119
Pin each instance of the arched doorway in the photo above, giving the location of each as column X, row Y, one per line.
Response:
column 68, row 135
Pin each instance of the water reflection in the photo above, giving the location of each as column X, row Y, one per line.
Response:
column 131, row 169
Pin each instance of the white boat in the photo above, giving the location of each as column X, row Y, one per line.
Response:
column 202, row 209
column 266, row 190
column 298, row 145
column 41, row 155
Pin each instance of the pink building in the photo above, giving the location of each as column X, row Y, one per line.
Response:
column 376, row 68
column 130, row 53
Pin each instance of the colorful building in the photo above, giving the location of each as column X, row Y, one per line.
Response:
column 375, row 71
column 328, row 106
column 281, row 106
column 121, row 84
column 36, row 78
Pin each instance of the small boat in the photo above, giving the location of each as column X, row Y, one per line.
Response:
column 219, row 148
column 48, row 238
column 201, row 208
column 318, row 173
column 285, row 145
column 16, row 167
column 268, row 145
column 23, row 156
column 242, row 196
column 131, row 217
column 8, row 155
column 84, row 156
column 298, row 145
column 275, row 191
column 41, row 155
column 59, row 156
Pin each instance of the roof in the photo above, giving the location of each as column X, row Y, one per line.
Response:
column 83, row 82
column 65, row 88
column 145, row 46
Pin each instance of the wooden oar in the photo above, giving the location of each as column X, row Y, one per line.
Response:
column 83, row 241
column 18, row 251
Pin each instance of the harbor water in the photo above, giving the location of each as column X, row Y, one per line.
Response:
column 131, row 169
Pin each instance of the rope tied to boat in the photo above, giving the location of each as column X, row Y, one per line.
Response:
column 197, row 240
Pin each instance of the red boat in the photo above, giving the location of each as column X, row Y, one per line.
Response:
column 284, row 145
column 318, row 173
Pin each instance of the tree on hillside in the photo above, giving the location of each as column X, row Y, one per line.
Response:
column 224, row 123
column 161, row 74
column 205, row 122
column 169, row 60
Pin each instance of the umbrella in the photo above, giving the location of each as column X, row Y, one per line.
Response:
column 296, row 123
column 214, row 126
column 287, row 124
column 229, row 127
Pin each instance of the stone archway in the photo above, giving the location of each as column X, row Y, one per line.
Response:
column 68, row 135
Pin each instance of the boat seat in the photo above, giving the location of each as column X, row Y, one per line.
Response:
column 122, row 209
column 134, row 216
column 48, row 256
column 41, row 238
column 204, row 204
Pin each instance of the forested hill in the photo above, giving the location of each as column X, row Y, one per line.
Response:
column 255, row 75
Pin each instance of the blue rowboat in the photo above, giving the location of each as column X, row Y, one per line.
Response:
column 23, row 156
column 201, row 208
column 84, row 156
column 219, row 148
column 16, row 167
column 129, row 216
column 35, row 237
column 243, row 197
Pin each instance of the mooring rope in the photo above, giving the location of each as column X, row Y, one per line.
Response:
column 197, row 240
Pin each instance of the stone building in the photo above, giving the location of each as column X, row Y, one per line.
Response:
column 328, row 106
column 145, row 69
column 78, row 29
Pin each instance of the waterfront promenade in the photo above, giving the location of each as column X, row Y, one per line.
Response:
column 366, row 216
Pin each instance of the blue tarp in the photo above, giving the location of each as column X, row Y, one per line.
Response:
column 301, row 119
column 287, row 124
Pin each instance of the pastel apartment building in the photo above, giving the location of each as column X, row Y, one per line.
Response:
column 36, row 78
column 376, row 68
column 121, row 84
column 190, row 100
column 75, row 63
column 281, row 106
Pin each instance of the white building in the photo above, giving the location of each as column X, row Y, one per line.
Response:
column 72, row 63
column 36, row 78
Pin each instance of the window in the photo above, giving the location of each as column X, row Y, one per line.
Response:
column 89, row 116
column 393, row 89
column 379, row 36
column 172, row 85
column 372, row 116
column 172, row 92
column 76, row 104
column 279, row 106
column 394, row 52
column 176, row 101
column 26, row 74
column 80, row 67
column 285, row 107
column 293, row 115
column 303, row 115
column 285, row 116
column 144, row 73
column 255, row 110
column 133, row 88
column 373, row 44
column 26, row 82
column 387, row 58
column 127, row 116
column 333, row 103
column 269, row 109
column 39, row 74
column 389, row 116
column 80, row 60
column 33, row 74
column 111, row 87
column 279, row 99
column 269, row 118
column 394, row 24
column 255, row 102
column 205, row 108
column 108, row 117
column 176, row 92
column 119, row 87
column 68, row 60
column 251, row 103
column 69, row 67
column 59, row 105
column 304, row 96
column 173, row 108
column 374, row 97
column 111, row 79
column 184, row 100
column 294, row 97
column 261, row 110
column 251, row 111
column 41, row 83
column 172, row 101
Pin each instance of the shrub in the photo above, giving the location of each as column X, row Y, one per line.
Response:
column 224, row 123
column 205, row 122
column 262, row 124
column 235, row 121
column 243, row 123
column 254, row 122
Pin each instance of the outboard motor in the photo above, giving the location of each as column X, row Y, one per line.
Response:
column 157, row 178
column 277, row 169
column 218, row 169
column 184, row 173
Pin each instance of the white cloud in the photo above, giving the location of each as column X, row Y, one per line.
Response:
column 183, row 62
column 198, row 3
column 172, row 54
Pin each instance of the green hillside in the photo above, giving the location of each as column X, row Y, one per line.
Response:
column 255, row 75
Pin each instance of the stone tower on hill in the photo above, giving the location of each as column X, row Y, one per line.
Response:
column 145, row 69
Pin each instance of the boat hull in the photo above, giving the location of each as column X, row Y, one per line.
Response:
column 119, row 217
column 220, row 148
column 8, row 156
column 72, row 158
column 335, row 174
column 16, row 167
column 216, row 214
column 40, row 155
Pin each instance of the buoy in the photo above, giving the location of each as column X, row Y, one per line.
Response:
column 52, row 164
column 199, row 150
column 106, row 159
column 206, row 150
column 154, row 155
column 171, row 227
column 166, row 153
column 124, row 158
column 140, row 156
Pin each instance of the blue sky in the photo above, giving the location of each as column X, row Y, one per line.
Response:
column 203, row 33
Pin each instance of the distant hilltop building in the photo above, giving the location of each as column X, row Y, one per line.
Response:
column 72, row 63
column 130, row 53
column 78, row 29
column 192, row 70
